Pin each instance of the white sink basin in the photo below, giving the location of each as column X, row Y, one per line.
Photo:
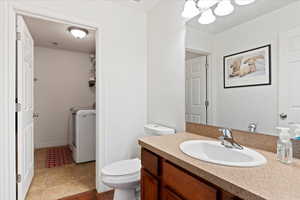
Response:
column 215, row 152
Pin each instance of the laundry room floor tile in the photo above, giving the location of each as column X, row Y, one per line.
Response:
column 58, row 182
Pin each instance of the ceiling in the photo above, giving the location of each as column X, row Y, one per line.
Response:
column 240, row 15
column 140, row 4
column 55, row 35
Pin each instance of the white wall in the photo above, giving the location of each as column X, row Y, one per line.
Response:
column 123, row 54
column 167, row 42
column 166, row 69
column 62, row 83
column 123, row 47
column 237, row 107
column 198, row 40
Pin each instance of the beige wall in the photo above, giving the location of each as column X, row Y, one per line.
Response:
column 62, row 83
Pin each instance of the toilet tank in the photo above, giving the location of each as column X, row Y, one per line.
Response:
column 153, row 130
column 156, row 130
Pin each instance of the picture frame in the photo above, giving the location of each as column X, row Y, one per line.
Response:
column 248, row 68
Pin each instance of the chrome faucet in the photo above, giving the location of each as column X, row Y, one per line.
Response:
column 227, row 139
column 252, row 127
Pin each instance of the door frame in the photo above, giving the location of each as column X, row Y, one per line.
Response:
column 209, row 111
column 14, row 9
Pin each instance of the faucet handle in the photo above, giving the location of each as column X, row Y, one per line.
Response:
column 222, row 130
column 226, row 132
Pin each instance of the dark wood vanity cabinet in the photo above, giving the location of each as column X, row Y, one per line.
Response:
column 169, row 195
column 149, row 186
column 163, row 180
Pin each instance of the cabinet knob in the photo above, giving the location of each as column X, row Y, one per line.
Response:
column 283, row 116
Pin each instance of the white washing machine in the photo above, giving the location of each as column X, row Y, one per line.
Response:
column 83, row 135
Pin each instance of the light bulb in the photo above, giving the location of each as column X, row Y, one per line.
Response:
column 244, row 2
column 78, row 33
column 207, row 17
column 224, row 8
column 205, row 4
column 190, row 9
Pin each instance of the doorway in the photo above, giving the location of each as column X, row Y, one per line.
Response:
column 196, row 83
column 56, row 118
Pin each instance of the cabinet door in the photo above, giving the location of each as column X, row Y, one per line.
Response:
column 149, row 186
column 168, row 195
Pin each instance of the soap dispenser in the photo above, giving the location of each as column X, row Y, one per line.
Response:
column 297, row 134
column 296, row 143
column 284, row 146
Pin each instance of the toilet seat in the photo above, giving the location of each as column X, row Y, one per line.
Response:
column 125, row 171
column 121, row 179
column 121, row 168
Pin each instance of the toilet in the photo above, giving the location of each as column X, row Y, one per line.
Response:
column 124, row 176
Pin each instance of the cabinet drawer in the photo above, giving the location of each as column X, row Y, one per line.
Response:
column 185, row 185
column 150, row 162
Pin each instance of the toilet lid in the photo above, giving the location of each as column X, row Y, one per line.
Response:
column 123, row 167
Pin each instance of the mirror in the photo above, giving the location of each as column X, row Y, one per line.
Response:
column 243, row 69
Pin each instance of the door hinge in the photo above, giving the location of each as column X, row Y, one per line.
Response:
column 19, row 178
column 206, row 103
column 206, row 65
column 18, row 107
column 18, row 36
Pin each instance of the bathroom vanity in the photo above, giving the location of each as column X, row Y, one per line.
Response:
column 169, row 174
column 164, row 180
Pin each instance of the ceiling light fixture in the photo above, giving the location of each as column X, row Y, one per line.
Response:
column 207, row 17
column 205, row 4
column 192, row 8
column 78, row 33
column 224, row 8
column 244, row 2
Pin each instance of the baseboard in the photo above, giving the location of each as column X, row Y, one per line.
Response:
column 101, row 187
column 54, row 143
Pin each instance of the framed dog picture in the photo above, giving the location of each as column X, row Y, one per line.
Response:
column 248, row 68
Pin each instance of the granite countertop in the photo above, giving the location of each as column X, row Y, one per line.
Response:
column 274, row 180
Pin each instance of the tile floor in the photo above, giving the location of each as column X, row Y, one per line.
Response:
column 58, row 182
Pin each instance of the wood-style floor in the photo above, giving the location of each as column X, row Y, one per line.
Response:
column 91, row 195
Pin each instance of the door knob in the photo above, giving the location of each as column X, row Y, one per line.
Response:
column 283, row 116
column 36, row 115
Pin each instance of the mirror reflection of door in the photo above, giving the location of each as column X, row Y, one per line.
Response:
column 289, row 81
column 196, row 111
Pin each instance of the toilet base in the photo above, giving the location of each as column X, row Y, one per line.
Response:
column 128, row 194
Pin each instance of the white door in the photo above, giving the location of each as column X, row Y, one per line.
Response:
column 25, row 152
column 289, row 78
column 196, row 90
